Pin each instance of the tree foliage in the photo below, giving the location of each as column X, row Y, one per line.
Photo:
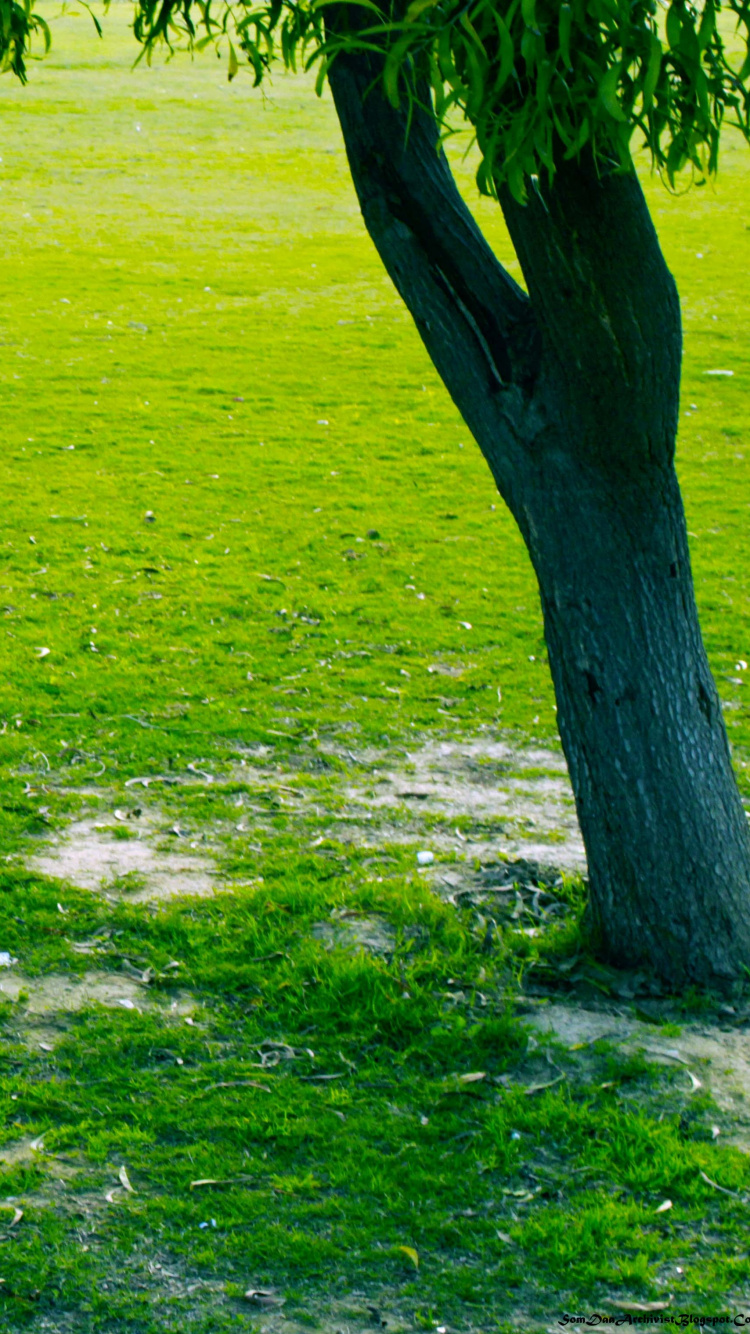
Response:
column 19, row 25
column 536, row 79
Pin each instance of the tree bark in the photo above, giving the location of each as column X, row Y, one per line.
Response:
column 572, row 394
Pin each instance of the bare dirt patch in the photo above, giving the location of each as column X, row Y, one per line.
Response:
column 515, row 802
column 716, row 1056
column 44, row 1002
column 115, row 857
column 21, row 1151
column 59, row 991
column 474, row 798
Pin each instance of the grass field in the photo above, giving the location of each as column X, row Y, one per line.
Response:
column 245, row 530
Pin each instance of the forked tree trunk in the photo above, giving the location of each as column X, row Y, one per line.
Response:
column 572, row 394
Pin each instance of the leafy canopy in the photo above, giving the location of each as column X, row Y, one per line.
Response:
column 19, row 24
column 536, row 79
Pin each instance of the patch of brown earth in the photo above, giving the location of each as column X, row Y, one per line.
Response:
column 711, row 1056
column 488, row 781
column 21, row 1151
column 91, row 855
column 43, row 1002
column 511, row 803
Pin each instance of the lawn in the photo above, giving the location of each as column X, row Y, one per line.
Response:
column 251, row 556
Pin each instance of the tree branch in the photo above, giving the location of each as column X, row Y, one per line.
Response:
column 608, row 308
column 476, row 322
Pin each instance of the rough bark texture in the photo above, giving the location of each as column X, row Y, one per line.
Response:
column 572, row 394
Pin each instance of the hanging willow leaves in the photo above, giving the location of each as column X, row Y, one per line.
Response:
column 536, row 79
column 19, row 26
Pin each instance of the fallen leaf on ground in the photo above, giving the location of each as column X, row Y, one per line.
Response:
column 144, row 975
column 670, row 1053
column 663, row 1207
column 716, row 1186
column 217, row 1181
column 473, row 1078
column 694, row 1080
column 125, row 1179
column 410, row 1254
column 264, row 1297
column 539, row 1088
column 639, row 1306
column 340, row 1074
column 237, row 1084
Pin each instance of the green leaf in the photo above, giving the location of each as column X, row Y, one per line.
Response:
column 708, row 25
column 674, row 25
column 516, row 182
column 542, row 85
column 475, row 76
column 233, row 63
column 361, row 4
column 445, row 56
column 608, row 94
column 581, row 138
column 529, row 48
column 392, row 69
column 676, row 158
column 701, row 90
column 564, row 29
column 507, row 54
column 652, row 73
column 320, row 81
column 418, row 7
column 689, row 45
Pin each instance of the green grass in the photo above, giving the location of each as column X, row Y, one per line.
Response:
column 120, row 211
column 325, row 1179
column 195, row 325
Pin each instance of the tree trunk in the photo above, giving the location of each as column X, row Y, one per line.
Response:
column 641, row 725
column 572, row 394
